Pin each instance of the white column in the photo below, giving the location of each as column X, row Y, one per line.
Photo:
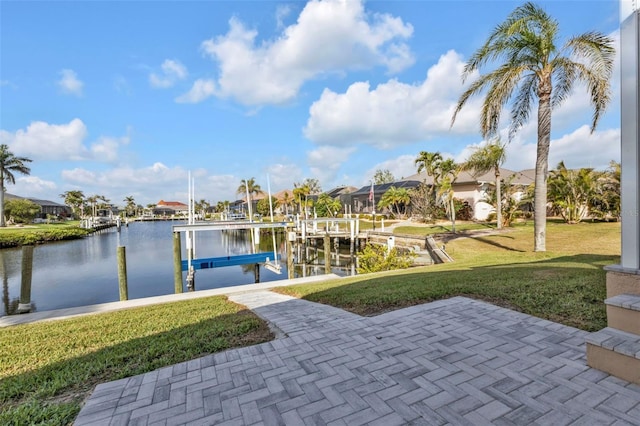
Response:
column 630, row 150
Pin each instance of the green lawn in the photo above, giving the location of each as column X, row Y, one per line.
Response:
column 48, row 368
column 566, row 284
column 13, row 236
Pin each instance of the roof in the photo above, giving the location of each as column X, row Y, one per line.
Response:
column 340, row 190
column 522, row 178
column 34, row 200
column 382, row 188
column 171, row 204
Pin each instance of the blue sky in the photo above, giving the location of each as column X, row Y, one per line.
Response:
column 126, row 98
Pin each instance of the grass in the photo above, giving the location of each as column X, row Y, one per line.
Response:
column 48, row 368
column 565, row 284
column 425, row 230
column 15, row 236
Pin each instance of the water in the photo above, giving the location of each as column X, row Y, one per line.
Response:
column 84, row 272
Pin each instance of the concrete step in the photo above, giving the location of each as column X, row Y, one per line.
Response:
column 615, row 352
column 623, row 312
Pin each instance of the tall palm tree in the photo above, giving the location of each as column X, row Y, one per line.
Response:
column 249, row 186
column 74, row 199
column 448, row 172
column 9, row 164
column 300, row 191
column 130, row 206
column 489, row 157
column 534, row 66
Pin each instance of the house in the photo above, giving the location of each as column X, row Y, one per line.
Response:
column 170, row 208
column 48, row 207
column 473, row 188
column 362, row 200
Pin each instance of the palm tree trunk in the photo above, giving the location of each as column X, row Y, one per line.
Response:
column 498, row 199
column 2, row 222
column 542, row 160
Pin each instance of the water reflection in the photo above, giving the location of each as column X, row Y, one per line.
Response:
column 84, row 272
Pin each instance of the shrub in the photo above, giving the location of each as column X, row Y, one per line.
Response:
column 375, row 258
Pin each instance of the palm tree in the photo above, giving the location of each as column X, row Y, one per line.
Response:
column 249, row 186
column 536, row 66
column 572, row 191
column 300, row 191
column 75, row 200
column 448, row 172
column 9, row 164
column 395, row 198
column 429, row 161
column 286, row 202
column 130, row 206
column 489, row 157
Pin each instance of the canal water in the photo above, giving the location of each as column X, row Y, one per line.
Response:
column 84, row 272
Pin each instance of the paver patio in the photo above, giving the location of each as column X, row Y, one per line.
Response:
column 455, row 361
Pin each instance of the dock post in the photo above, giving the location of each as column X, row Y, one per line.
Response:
column 177, row 263
column 24, row 306
column 289, row 246
column 327, row 253
column 122, row 273
column 256, row 271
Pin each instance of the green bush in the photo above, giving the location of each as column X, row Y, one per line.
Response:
column 376, row 258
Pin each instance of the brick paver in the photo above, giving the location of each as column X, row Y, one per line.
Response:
column 455, row 361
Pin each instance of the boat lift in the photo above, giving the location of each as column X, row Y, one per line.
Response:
column 191, row 264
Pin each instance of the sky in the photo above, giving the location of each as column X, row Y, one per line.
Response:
column 130, row 98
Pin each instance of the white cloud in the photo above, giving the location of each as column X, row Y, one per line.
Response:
column 329, row 36
column 394, row 113
column 325, row 162
column 33, row 186
column 69, row 83
column 201, row 90
column 172, row 71
column 400, row 167
column 282, row 176
column 577, row 149
column 50, row 142
column 282, row 11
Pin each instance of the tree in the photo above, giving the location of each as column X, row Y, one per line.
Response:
column 606, row 203
column 75, row 200
column 383, row 176
column 327, row 206
column 571, row 192
column 202, row 207
column 249, row 188
column 300, row 192
column 9, row 164
column 263, row 206
column 428, row 161
column 448, row 172
column 130, row 207
column 485, row 158
column 511, row 199
column 22, row 210
column 536, row 66
column 286, row 201
column 397, row 198
column 313, row 185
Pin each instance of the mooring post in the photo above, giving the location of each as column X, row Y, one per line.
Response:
column 177, row 263
column 289, row 246
column 122, row 273
column 256, row 271
column 24, row 305
column 327, row 253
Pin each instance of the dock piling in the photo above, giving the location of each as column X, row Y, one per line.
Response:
column 177, row 263
column 122, row 272
column 24, row 305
